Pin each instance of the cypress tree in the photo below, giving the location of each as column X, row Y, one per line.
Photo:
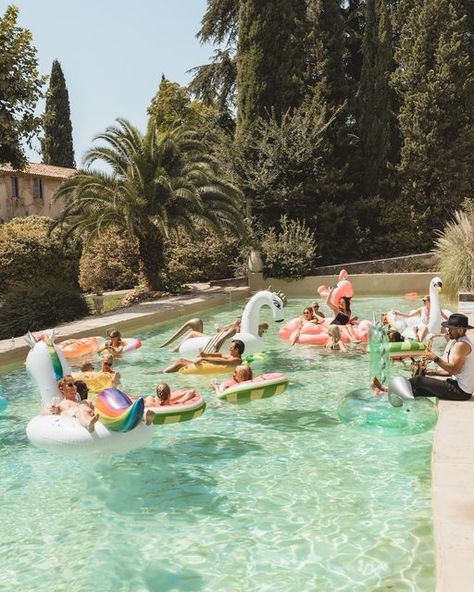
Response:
column 376, row 121
column 56, row 145
column 435, row 81
column 270, row 59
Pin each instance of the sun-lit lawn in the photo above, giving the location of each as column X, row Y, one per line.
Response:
column 111, row 302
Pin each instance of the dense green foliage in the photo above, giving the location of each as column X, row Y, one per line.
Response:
column 389, row 85
column 159, row 182
column 288, row 252
column 435, row 82
column 43, row 305
column 270, row 62
column 56, row 145
column 109, row 262
column 20, row 89
column 28, row 253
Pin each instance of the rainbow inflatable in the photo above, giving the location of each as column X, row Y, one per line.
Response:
column 117, row 411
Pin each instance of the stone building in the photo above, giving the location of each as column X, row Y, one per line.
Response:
column 30, row 192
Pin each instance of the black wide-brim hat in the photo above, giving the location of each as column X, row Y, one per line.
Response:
column 458, row 321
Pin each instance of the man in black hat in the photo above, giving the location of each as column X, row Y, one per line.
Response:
column 457, row 363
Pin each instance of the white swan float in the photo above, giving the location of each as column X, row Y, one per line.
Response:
column 249, row 325
column 405, row 324
column 46, row 365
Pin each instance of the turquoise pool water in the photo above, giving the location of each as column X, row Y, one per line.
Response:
column 277, row 495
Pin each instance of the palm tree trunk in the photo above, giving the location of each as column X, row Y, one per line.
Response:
column 151, row 255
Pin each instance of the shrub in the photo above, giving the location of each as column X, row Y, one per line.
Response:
column 46, row 304
column 109, row 263
column 29, row 252
column 288, row 253
column 208, row 257
column 455, row 249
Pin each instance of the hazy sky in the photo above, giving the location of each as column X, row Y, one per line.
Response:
column 113, row 53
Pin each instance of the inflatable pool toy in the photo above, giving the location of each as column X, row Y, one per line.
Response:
column 191, row 409
column 75, row 348
column 117, row 411
column 96, row 381
column 312, row 334
column 343, row 289
column 131, row 344
column 248, row 327
column 406, row 349
column 405, row 325
column 361, row 408
column 3, row 401
column 58, row 433
column 261, row 387
column 410, row 295
column 206, row 368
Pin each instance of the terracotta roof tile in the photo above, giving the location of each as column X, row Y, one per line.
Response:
column 40, row 170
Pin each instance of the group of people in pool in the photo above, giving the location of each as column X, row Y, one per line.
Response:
column 74, row 402
column 456, row 364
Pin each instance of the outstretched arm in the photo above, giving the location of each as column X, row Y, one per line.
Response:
column 332, row 306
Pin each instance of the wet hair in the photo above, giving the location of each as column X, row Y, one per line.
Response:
column 82, row 389
column 334, row 332
column 163, row 391
column 114, row 333
column 239, row 345
column 87, row 367
column 395, row 337
column 243, row 373
column 347, row 303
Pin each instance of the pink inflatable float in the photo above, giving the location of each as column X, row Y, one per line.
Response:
column 312, row 334
column 343, row 288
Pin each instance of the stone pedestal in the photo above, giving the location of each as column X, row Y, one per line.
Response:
column 255, row 263
column 98, row 303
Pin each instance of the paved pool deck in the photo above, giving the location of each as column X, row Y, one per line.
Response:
column 453, row 440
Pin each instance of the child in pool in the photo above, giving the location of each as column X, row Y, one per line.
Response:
column 163, row 396
column 334, row 341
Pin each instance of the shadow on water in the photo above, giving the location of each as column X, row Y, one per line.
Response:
column 160, row 580
column 168, row 480
column 293, row 420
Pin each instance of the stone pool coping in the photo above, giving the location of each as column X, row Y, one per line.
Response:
column 453, row 440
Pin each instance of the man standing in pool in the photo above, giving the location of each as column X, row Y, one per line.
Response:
column 457, row 363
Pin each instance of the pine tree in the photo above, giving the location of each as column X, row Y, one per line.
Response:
column 376, row 123
column 270, row 59
column 56, row 145
column 435, row 81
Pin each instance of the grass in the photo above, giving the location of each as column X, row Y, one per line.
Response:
column 111, row 302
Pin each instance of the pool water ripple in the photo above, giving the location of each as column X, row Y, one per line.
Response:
column 277, row 495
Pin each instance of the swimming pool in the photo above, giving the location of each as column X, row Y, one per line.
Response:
column 276, row 495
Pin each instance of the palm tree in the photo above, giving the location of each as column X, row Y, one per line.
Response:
column 159, row 182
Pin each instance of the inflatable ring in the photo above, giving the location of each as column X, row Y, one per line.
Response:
column 65, row 435
column 191, row 409
column 131, row 344
column 206, row 368
column 261, row 387
column 410, row 295
column 362, row 409
column 96, row 381
column 75, row 348
column 404, row 349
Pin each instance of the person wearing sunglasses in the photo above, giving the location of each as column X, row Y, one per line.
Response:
column 106, row 366
column 70, row 405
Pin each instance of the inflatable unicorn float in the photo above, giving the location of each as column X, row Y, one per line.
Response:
column 248, row 328
column 120, row 427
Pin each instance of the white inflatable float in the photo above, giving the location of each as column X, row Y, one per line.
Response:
column 405, row 325
column 249, row 325
column 46, row 364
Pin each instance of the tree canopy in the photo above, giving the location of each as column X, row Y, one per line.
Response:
column 20, row 89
